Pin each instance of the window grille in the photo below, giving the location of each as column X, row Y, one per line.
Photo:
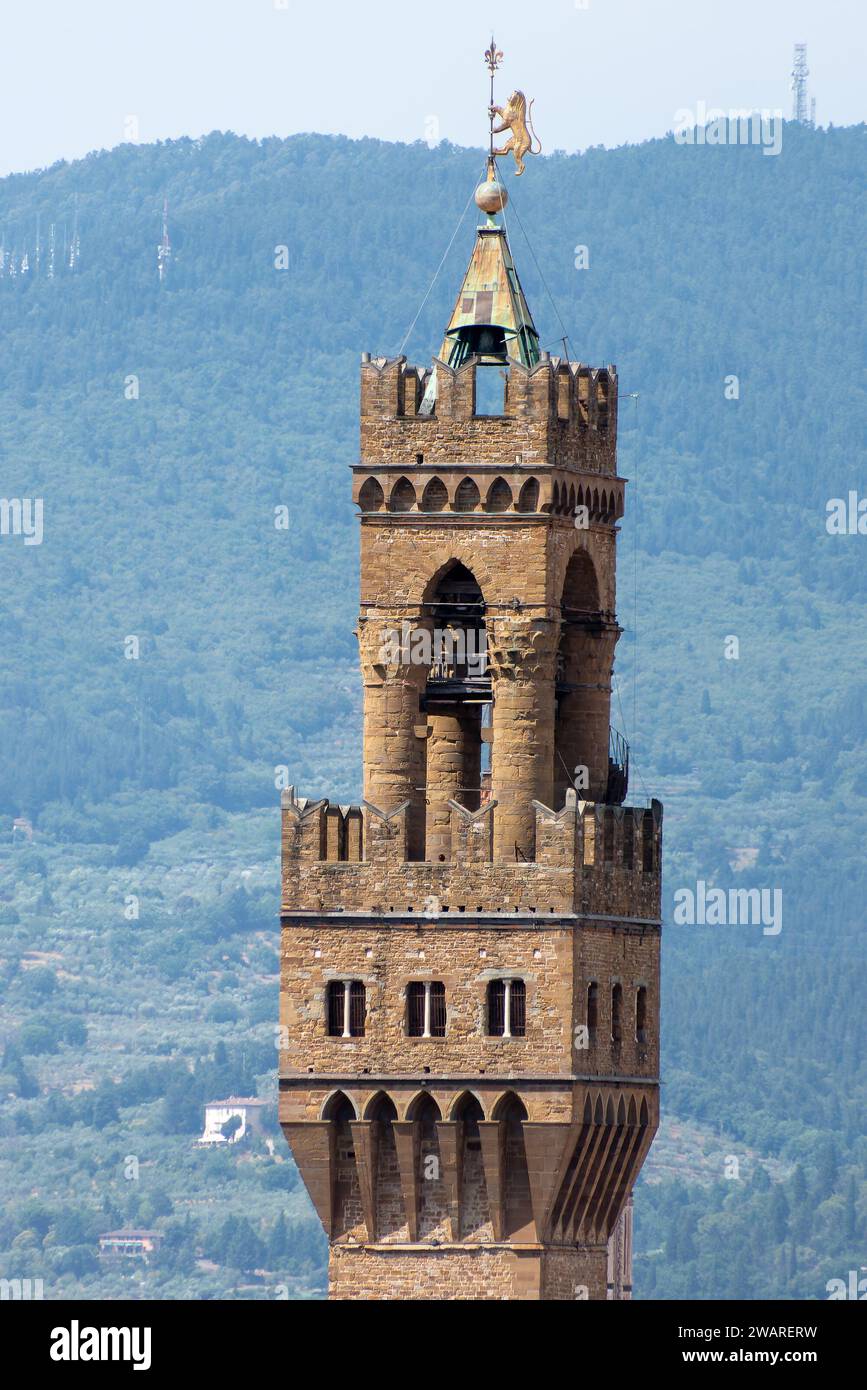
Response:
column 438, row 1009
column 346, row 1005
column 507, row 1009
column 496, row 1007
column 356, row 1009
column 335, row 1008
column 415, row 1009
column 519, row 1009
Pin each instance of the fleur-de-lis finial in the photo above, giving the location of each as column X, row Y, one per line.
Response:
column 493, row 57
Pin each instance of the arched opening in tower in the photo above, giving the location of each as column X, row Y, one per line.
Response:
column 432, row 1200
column 458, row 687
column 583, row 680
column 390, row 1218
column 517, row 1204
column 347, row 1214
column 475, row 1215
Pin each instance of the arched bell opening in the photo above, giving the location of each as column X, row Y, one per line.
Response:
column 583, row 677
column 457, row 689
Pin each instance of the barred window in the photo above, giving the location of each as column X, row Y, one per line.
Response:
column 415, row 1009
column 519, row 1009
column 346, row 1008
column 438, row 1009
column 357, row 1008
column 496, row 1007
column 426, row 1009
column 507, row 1009
column 335, row 1008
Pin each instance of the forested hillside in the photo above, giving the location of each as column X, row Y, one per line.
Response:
column 163, row 423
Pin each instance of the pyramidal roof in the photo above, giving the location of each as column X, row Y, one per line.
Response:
column 491, row 318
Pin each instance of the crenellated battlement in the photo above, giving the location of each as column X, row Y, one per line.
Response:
column 556, row 414
column 590, row 859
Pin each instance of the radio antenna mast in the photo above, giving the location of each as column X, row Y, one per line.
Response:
column 164, row 250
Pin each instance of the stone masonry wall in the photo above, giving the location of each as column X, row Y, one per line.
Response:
column 458, row 1273
column 556, row 965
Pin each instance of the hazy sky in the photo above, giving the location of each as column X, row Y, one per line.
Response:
column 73, row 72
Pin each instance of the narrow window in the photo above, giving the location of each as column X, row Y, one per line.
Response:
column 426, row 1009
column 641, row 1014
column 507, row 1009
column 345, row 1009
column 592, row 1009
column 437, row 1009
column 519, row 1008
column 496, row 1007
column 617, row 1014
column 356, row 1009
column 415, row 1009
column 335, row 1009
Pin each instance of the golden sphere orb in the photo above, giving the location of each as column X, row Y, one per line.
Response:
column 491, row 197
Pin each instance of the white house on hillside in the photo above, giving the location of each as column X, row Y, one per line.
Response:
column 218, row 1112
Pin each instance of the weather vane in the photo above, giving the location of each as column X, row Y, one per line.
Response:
column 515, row 116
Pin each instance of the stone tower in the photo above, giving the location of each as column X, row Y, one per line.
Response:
column 470, row 959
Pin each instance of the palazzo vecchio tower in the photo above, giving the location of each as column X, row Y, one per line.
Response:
column 470, row 959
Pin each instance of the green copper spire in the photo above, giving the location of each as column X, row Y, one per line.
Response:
column 491, row 318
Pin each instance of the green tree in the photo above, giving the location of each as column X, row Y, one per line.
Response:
column 245, row 1251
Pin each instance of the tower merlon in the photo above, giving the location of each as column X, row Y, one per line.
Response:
column 590, row 859
column 564, row 411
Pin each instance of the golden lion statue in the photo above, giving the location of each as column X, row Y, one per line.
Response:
column 516, row 118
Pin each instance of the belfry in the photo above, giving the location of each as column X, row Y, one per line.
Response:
column 470, row 958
